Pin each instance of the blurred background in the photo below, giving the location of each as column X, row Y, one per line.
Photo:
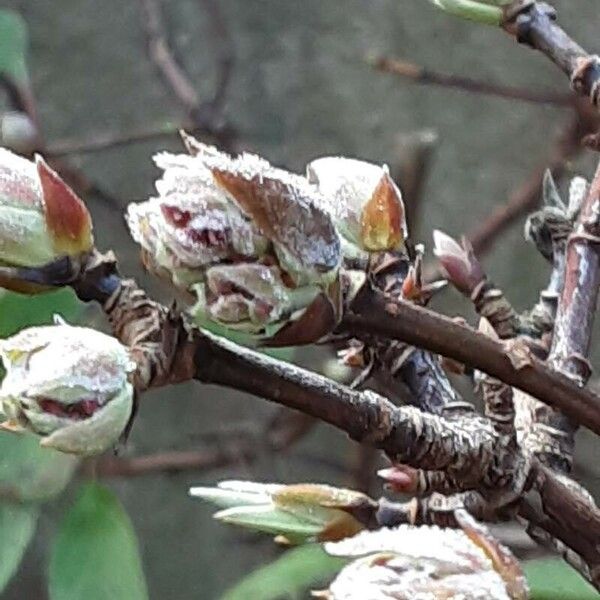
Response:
column 291, row 81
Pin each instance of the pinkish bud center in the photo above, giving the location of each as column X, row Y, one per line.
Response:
column 78, row 411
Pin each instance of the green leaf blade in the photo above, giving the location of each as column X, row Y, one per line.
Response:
column 17, row 526
column 18, row 311
column 96, row 555
column 554, row 579
column 13, row 45
column 289, row 576
column 30, row 473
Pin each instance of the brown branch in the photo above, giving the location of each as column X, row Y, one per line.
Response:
column 160, row 54
column 512, row 365
column 563, row 516
column 534, row 23
column 414, row 152
column 106, row 141
column 575, row 317
column 526, row 197
column 418, row 74
column 465, row 449
column 204, row 116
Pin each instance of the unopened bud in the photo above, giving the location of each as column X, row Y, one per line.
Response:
column 191, row 224
column 365, row 203
column 427, row 562
column 249, row 296
column 67, row 384
column 458, row 262
column 294, row 513
column 41, row 218
column 250, row 240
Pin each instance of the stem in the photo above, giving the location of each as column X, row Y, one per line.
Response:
column 513, row 365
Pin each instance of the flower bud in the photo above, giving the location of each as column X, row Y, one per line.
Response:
column 191, row 224
column 250, row 240
column 67, row 384
column 286, row 209
column 41, row 218
column 249, row 296
column 458, row 262
column 365, row 203
column 427, row 562
column 294, row 513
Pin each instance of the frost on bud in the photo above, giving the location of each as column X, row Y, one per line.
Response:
column 191, row 224
column 294, row 513
column 41, row 218
column 250, row 296
column 250, row 240
column 67, row 384
column 409, row 562
column 365, row 203
column 458, row 262
column 286, row 208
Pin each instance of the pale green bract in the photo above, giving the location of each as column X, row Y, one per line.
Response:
column 488, row 12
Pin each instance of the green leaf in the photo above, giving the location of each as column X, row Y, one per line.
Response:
column 13, row 45
column 485, row 12
column 17, row 526
column 289, row 576
column 96, row 555
column 18, row 311
column 29, row 472
column 554, row 579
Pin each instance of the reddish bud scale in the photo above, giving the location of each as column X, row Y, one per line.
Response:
column 382, row 218
column 67, row 218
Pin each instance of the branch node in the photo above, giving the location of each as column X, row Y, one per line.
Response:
column 585, row 77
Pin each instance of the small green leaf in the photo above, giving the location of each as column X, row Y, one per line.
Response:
column 96, row 555
column 13, row 45
column 484, row 12
column 18, row 311
column 290, row 576
column 270, row 519
column 554, row 579
column 17, row 526
column 29, row 472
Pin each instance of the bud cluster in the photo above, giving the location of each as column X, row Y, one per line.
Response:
column 261, row 247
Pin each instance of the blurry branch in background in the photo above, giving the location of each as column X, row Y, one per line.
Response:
column 413, row 153
column 582, row 123
column 226, row 448
column 22, row 101
column 420, row 75
column 526, row 196
column 203, row 117
column 106, row 141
